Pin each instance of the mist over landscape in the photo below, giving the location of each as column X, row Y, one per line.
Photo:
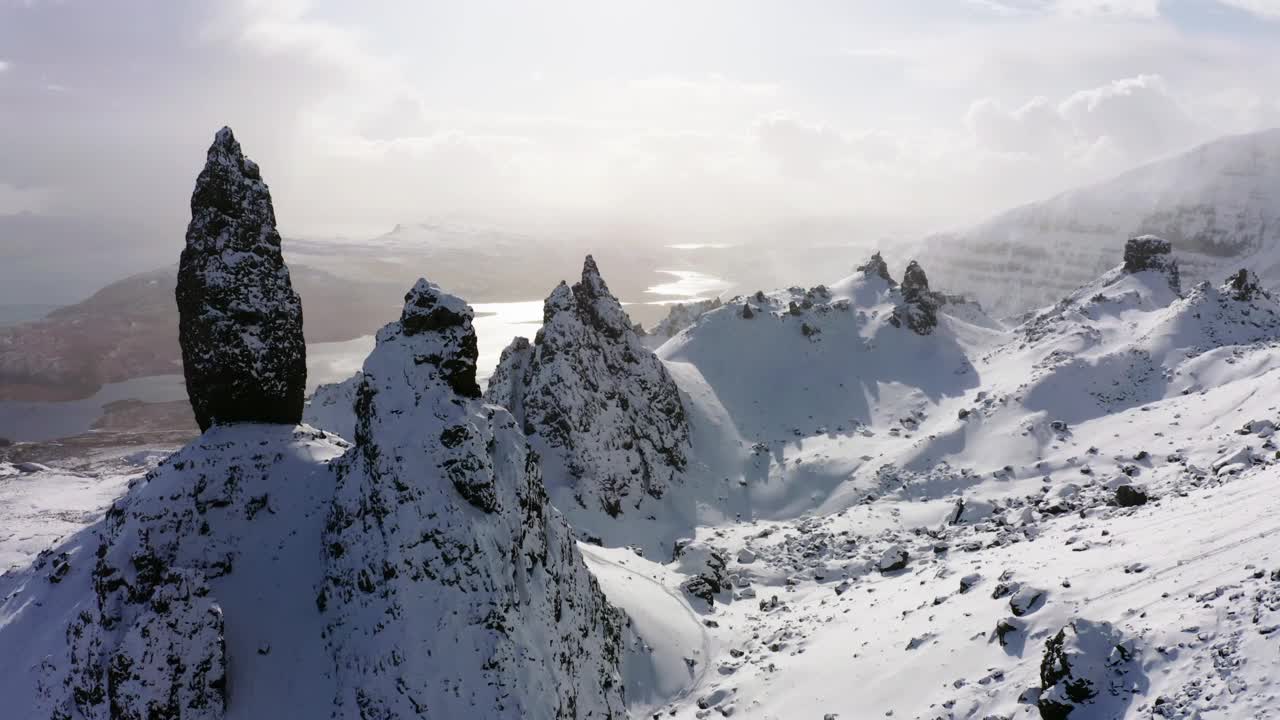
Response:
column 576, row 360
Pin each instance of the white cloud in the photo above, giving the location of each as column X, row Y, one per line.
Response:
column 1264, row 8
column 1135, row 118
column 1082, row 8
column 375, row 117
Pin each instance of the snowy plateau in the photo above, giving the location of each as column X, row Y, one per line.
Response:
column 866, row 499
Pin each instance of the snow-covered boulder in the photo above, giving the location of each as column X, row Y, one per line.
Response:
column 1086, row 667
column 240, row 324
column 597, row 405
column 894, row 558
column 453, row 587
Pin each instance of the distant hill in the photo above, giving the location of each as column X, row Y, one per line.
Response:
column 1219, row 205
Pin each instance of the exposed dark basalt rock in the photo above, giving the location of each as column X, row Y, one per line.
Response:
column 598, row 405
column 1148, row 252
column 1130, row 496
column 875, row 266
column 243, row 352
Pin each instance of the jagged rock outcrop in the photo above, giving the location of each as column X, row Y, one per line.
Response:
column 919, row 308
column 1244, row 285
column 1148, row 252
column 441, row 506
column 243, row 352
column 875, row 266
column 681, row 316
column 599, row 407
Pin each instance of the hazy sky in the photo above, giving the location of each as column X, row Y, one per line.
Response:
column 704, row 113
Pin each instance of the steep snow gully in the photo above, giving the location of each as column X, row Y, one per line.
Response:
column 859, row 500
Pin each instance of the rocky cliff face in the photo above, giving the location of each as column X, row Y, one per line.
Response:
column 454, row 589
column 595, row 402
column 240, row 321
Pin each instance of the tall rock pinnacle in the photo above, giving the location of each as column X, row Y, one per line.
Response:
column 243, row 352
column 599, row 406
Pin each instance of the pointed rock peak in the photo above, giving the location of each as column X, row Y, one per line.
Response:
column 914, row 280
column 438, row 325
column 875, row 266
column 225, row 154
column 1243, row 285
column 919, row 310
column 427, row 308
column 590, row 301
column 240, row 321
column 592, row 283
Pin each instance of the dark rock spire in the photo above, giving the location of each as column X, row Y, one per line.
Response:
column 919, row 309
column 240, row 325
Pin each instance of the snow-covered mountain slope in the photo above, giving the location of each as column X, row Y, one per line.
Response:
column 827, row 360
column 600, row 409
column 212, row 560
column 679, row 317
column 1219, row 205
column 1099, row 477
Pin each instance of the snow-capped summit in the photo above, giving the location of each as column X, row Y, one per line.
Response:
column 597, row 405
column 453, row 588
column 241, row 321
